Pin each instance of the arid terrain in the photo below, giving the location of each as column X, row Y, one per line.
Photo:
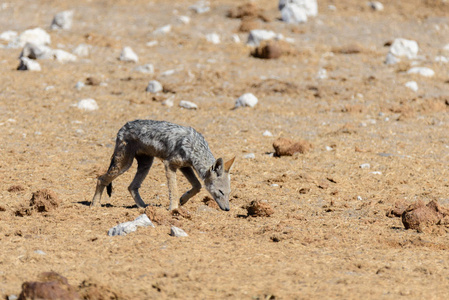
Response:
column 375, row 143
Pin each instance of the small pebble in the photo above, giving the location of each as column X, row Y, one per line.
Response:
column 177, row 232
column 247, row 99
column 152, row 43
column 40, row 252
column 188, row 105
column 412, row 85
column 267, row 133
column 79, row 85
column 146, row 69
column 184, row 19
column 168, row 102
column 423, row 71
column 365, row 166
column 27, row 64
column 200, row 7
column 128, row 55
column 249, row 156
column 163, row 30
column 87, row 105
column 62, row 20
column 376, row 5
column 154, row 87
column 82, row 50
column 213, row 38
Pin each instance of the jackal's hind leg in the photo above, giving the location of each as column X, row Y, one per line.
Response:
column 121, row 161
column 170, row 171
column 196, row 185
column 144, row 163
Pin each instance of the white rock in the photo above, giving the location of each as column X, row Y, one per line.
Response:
column 154, row 87
column 249, row 156
column 267, row 133
column 322, row 74
column 365, row 166
column 423, row 71
column 184, row 19
column 309, row 6
column 403, row 47
column 146, row 69
column 152, row 43
column 62, row 20
column 376, row 5
column 128, row 55
column 87, row 105
column 293, row 14
column 247, row 99
column 37, row 36
column 329, row 148
column 213, row 38
column 163, row 30
column 412, row 85
column 376, row 173
column 169, row 102
column 332, row 7
column 200, row 7
column 82, row 50
column 63, row 56
column 27, row 64
column 79, row 85
column 127, row 227
column 8, row 36
column 256, row 36
column 446, row 48
column 40, row 252
column 187, row 104
column 34, row 51
column 168, row 73
column 177, row 232
column 391, row 59
column 235, row 38
column 442, row 59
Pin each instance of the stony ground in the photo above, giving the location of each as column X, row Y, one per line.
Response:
column 329, row 235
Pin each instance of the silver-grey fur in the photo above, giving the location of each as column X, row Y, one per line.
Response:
column 179, row 147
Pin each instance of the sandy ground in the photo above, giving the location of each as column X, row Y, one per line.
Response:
column 329, row 235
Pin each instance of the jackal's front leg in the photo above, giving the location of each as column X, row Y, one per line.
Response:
column 196, row 185
column 170, row 171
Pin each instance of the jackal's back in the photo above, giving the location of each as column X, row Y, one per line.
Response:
column 166, row 140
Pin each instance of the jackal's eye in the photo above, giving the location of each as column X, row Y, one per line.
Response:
column 221, row 192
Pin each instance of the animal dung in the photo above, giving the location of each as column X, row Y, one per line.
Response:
column 287, row 147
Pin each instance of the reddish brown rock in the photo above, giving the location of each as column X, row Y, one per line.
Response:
column 51, row 286
column 287, row 147
column 418, row 215
column 259, row 209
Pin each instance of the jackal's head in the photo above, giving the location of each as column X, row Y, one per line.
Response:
column 218, row 182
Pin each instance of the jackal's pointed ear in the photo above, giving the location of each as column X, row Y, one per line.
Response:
column 228, row 165
column 217, row 167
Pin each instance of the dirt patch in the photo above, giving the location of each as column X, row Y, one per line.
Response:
column 208, row 201
column 42, row 201
column 398, row 209
column 92, row 290
column 287, row 147
column 16, row 188
column 259, row 208
column 158, row 215
column 248, row 11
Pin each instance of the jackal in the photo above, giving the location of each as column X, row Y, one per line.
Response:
column 180, row 148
